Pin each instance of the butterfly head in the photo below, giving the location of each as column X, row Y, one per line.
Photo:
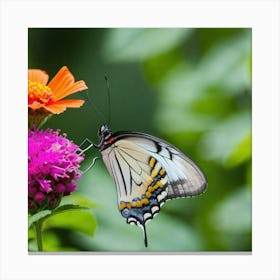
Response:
column 104, row 135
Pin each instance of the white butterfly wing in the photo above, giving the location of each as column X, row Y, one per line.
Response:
column 128, row 163
column 129, row 166
column 147, row 172
column 184, row 176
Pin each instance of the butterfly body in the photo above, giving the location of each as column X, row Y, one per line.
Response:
column 147, row 172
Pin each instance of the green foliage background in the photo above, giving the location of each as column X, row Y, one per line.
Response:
column 191, row 87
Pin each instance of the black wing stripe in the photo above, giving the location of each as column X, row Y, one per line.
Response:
column 158, row 151
column 158, row 146
column 129, row 149
column 113, row 170
column 122, row 151
column 131, row 168
column 130, row 179
column 134, row 150
column 170, row 154
column 120, row 170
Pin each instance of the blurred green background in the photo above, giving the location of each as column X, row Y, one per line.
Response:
column 191, row 87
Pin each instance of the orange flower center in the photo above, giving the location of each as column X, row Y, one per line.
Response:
column 38, row 92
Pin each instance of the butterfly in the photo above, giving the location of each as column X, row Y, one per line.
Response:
column 147, row 172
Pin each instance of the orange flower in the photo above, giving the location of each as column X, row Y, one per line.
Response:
column 49, row 96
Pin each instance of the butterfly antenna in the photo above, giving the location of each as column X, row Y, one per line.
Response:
column 109, row 99
column 101, row 115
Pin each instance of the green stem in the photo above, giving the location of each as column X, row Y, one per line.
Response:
column 38, row 229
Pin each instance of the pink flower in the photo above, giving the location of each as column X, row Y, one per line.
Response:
column 53, row 168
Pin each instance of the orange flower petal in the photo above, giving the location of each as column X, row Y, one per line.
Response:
column 72, row 103
column 37, row 75
column 63, row 84
column 55, row 108
column 78, row 86
column 35, row 105
column 61, row 105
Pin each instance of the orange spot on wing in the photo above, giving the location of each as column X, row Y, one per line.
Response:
column 122, row 206
column 148, row 194
column 145, row 201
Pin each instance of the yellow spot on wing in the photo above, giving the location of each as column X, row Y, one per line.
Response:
column 148, row 194
column 122, row 206
column 152, row 162
column 154, row 173
column 150, row 181
column 159, row 184
column 133, row 203
column 162, row 172
column 145, row 201
column 138, row 204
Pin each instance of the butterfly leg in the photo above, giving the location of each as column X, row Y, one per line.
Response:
column 91, row 165
column 81, row 150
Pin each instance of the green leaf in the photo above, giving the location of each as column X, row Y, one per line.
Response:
column 249, row 174
column 225, row 66
column 31, row 233
column 38, row 216
column 173, row 120
column 242, row 152
column 140, row 44
column 233, row 214
column 81, row 221
column 165, row 62
column 78, row 199
column 66, row 207
column 228, row 65
column 222, row 142
column 51, row 241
